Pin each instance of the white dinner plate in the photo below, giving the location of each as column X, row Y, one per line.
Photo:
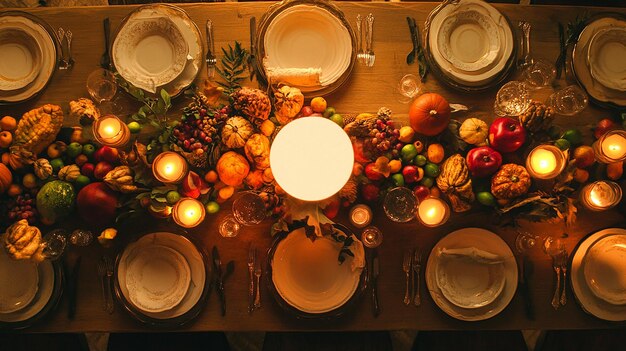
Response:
column 191, row 255
column 483, row 240
column 44, row 64
column 150, row 52
column 20, row 60
column 469, row 281
column 469, row 40
column 492, row 71
column 605, row 268
column 585, row 296
column 304, row 37
column 581, row 64
column 607, row 50
column 308, row 276
column 42, row 284
column 19, row 280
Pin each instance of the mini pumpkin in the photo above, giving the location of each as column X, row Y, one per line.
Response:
column 288, row 102
column 69, row 173
column 23, row 242
column 84, row 111
column 429, row 114
column 6, row 178
column 232, row 168
column 236, row 132
column 474, row 131
column 43, row 168
column 454, row 181
column 510, row 182
column 257, row 150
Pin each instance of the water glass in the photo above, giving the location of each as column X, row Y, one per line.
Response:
column 568, row 101
column 539, row 74
column 54, row 243
column 249, row 208
column 371, row 237
column 400, row 204
column 409, row 87
column 512, row 99
column 101, row 85
column 229, row 227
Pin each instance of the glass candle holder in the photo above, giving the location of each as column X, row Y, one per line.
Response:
column 433, row 212
column 169, row 167
column 371, row 237
column 545, row 162
column 111, row 131
column 360, row 216
column 601, row 195
column 188, row 212
column 611, row 147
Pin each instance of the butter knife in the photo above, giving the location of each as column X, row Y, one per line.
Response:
column 375, row 273
column 219, row 282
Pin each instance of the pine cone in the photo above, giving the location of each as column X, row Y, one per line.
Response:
column 254, row 104
column 537, row 117
column 349, row 191
column 347, row 119
column 384, row 113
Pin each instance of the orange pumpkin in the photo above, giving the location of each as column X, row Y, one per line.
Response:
column 6, row 178
column 232, row 168
column 429, row 114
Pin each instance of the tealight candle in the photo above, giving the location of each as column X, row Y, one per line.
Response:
column 601, row 195
column 433, row 212
column 169, row 167
column 360, row 216
column 111, row 131
column 371, row 237
column 545, row 162
column 188, row 212
column 611, row 147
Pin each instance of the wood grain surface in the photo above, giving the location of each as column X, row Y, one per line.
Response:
column 366, row 91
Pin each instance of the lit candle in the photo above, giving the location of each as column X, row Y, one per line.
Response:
column 360, row 216
column 371, row 237
column 188, row 212
column 614, row 146
column 433, row 212
column 111, row 131
column 169, row 167
column 601, row 195
column 545, row 162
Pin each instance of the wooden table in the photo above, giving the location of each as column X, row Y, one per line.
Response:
column 367, row 90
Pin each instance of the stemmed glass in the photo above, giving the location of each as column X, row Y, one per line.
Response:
column 409, row 87
column 54, row 243
column 568, row 101
column 102, row 87
column 248, row 209
column 512, row 99
column 540, row 73
column 400, row 204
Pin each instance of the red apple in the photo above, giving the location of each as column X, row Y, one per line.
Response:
column 370, row 192
column 421, row 192
column 584, row 156
column 96, row 204
column 603, row 126
column 506, row 134
column 483, row 161
column 410, row 173
column 106, row 153
column 306, row 111
column 372, row 174
column 194, row 186
column 332, row 209
column 101, row 169
column 81, row 160
column 87, row 170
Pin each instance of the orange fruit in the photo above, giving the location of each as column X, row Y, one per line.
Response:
column 211, row 176
column 8, row 123
column 318, row 104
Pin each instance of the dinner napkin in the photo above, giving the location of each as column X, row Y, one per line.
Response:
column 472, row 253
column 294, row 76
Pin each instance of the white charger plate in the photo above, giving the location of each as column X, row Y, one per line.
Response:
column 20, row 60
column 469, row 283
column 48, row 59
column 308, row 276
column 469, row 40
column 19, row 280
column 606, row 53
column 500, row 63
column 483, row 240
column 150, row 52
column 604, row 268
column 581, row 66
column 194, row 260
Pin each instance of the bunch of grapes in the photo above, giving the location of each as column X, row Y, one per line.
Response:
column 383, row 138
column 199, row 128
column 22, row 207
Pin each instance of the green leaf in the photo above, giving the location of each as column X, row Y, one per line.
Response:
column 166, row 97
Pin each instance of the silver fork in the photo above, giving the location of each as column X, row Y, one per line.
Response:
column 369, row 33
column 109, row 267
column 210, row 59
column 102, row 271
column 557, row 269
column 257, row 297
column 63, row 64
column 406, row 267
column 564, row 258
column 417, row 267
column 68, row 36
column 251, row 262
column 359, row 27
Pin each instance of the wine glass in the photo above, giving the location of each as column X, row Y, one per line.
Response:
column 249, row 208
column 539, row 74
column 400, row 204
column 102, row 87
column 568, row 101
column 371, row 237
column 229, row 227
column 525, row 241
column 512, row 99
column 54, row 243
column 409, row 87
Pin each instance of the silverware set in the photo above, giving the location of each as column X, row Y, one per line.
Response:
column 412, row 267
column 556, row 250
column 372, row 278
column 105, row 272
column 365, row 54
column 220, row 277
column 211, row 59
column 254, row 271
column 65, row 40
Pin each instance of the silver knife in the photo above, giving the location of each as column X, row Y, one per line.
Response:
column 219, row 282
column 252, row 58
column 375, row 272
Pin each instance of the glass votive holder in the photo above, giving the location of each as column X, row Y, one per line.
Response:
column 433, row 212
column 371, row 237
column 229, row 227
column 611, row 147
column 169, row 167
column 360, row 216
column 545, row 162
column 188, row 212
column 601, row 195
column 111, row 131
